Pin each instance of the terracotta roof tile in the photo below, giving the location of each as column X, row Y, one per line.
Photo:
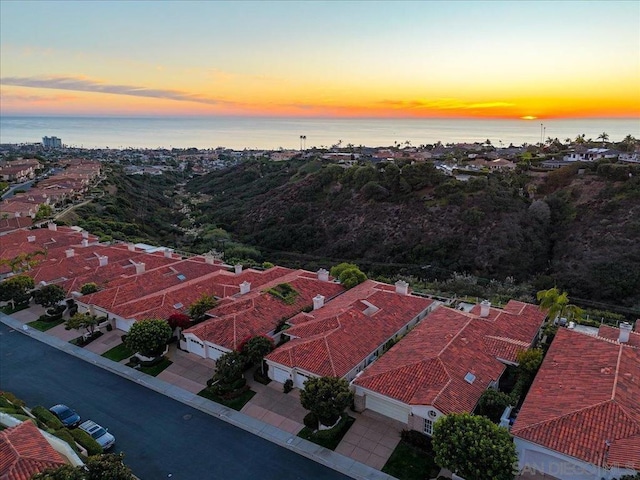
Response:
column 25, row 452
column 319, row 337
column 585, row 394
column 429, row 365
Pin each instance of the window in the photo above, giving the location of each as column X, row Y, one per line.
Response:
column 428, row 426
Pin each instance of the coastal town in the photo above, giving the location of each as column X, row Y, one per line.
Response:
column 409, row 358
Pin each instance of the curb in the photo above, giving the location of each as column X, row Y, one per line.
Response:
column 326, row 457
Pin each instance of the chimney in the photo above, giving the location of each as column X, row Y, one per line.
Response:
column 245, row 287
column 53, row 227
column 209, row 259
column 167, row 253
column 17, row 215
column 139, row 268
column 70, row 253
column 131, row 247
column 402, row 287
column 323, row 275
column 318, row 302
column 31, row 238
column 85, row 234
column 85, row 242
column 625, row 330
column 238, row 269
column 92, row 310
column 485, row 305
column 103, row 260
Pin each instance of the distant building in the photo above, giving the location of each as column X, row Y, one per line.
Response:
column 52, row 142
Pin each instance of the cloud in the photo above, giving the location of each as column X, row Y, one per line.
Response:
column 445, row 104
column 80, row 84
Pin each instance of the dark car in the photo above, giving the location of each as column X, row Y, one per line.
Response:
column 68, row 417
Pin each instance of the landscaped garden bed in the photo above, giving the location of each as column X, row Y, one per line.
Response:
column 235, row 403
column 118, row 353
column 412, row 458
column 83, row 341
column 328, row 438
column 44, row 325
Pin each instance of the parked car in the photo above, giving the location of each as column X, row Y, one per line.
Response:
column 66, row 415
column 99, row 434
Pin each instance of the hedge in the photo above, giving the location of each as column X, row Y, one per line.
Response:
column 46, row 417
column 65, row 434
column 88, row 443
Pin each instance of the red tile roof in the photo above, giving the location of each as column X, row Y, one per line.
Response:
column 613, row 333
column 258, row 312
column 586, row 394
column 25, row 452
column 334, row 339
column 429, row 365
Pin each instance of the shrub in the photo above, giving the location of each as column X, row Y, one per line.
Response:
column 311, row 421
column 88, row 443
column 88, row 288
column 288, row 385
column 239, row 383
column 417, row 439
column 259, row 377
column 46, row 417
column 13, row 399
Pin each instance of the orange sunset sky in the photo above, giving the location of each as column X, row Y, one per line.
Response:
column 355, row 59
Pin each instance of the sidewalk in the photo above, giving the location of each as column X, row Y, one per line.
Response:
column 271, row 414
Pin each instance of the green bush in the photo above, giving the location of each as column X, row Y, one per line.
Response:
column 311, row 421
column 88, row 443
column 239, row 383
column 65, row 434
column 13, row 399
column 288, row 385
column 46, row 417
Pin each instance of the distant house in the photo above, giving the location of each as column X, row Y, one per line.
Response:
column 341, row 337
column 445, row 364
column 590, row 154
column 581, row 418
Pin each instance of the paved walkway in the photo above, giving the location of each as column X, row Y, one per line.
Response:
column 271, row 414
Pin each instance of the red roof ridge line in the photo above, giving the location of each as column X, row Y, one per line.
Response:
column 454, row 337
column 615, row 380
column 326, row 344
column 444, row 367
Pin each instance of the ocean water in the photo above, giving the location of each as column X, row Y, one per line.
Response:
column 274, row 133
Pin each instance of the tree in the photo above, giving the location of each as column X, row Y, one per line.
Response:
column 49, row 295
column 88, row 288
column 604, row 136
column 474, row 447
column 200, row 307
column 82, row 320
column 556, row 304
column 97, row 467
column 492, row 404
column 44, row 211
column 351, row 277
column 23, row 262
column 148, row 337
column 256, row 348
column 336, row 270
column 529, row 361
column 326, row 397
column 228, row 375
column 179, row 320
column 16, row 289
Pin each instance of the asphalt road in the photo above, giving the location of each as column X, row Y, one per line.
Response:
column 160, row 437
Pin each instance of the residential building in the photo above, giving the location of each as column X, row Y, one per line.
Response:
column 342, row 336
column 445, row 364
column 581, row 418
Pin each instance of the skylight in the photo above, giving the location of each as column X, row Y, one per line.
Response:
column 177, row 305
column 181, row 277
column 469, row 378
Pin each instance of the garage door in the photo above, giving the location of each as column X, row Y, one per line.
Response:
column 213, row 352
column 279, row 375
column 123, row 325
column 555, row 467
column 387, row 408
column 298, row 382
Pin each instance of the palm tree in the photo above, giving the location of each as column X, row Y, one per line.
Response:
column 557, row 305
column 604, row 136
column 580, row 138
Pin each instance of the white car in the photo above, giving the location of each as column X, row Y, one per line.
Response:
column 99, row 434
